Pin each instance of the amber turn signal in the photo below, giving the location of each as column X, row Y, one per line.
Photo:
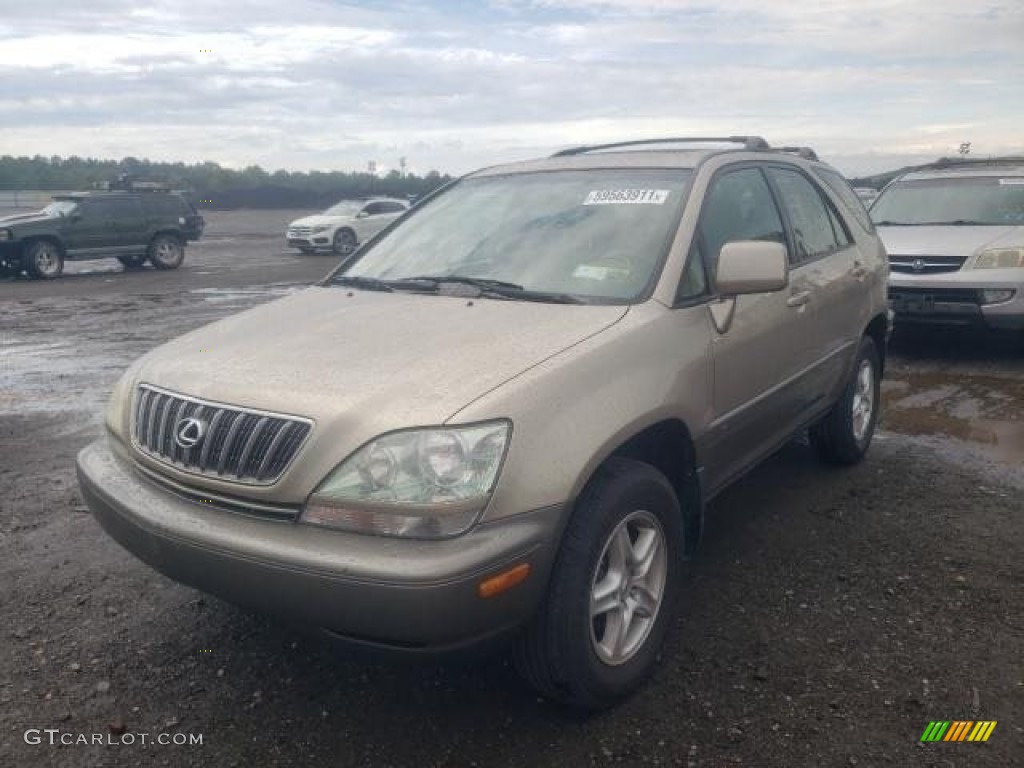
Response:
column 504, row 580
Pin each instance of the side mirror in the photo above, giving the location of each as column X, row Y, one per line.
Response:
column 751, row 266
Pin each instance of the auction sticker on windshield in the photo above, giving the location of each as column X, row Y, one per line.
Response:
column 626, row 197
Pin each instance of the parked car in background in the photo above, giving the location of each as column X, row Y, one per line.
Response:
column 955, row 236
column 151, row 224
column 345, row 226
column 867, row 195
column 505, row 415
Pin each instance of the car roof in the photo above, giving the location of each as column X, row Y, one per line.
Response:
column 667, row 153
column 951, row 168
column 112, row 193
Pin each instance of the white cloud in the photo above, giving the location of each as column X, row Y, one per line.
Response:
column 322, row 85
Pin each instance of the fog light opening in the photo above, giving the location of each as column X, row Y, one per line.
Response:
column 504, row 581
column 996, row 295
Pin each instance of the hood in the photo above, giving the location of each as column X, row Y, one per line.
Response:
column 367, row 362
column 318, row 220
column 25, row 218
column 947, row 240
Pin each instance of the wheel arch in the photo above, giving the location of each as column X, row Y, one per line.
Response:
column 878, row 331
column 176, row 234
column 50, row 238
column 668, row 446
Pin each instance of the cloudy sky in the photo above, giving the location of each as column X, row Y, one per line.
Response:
column 452, row 85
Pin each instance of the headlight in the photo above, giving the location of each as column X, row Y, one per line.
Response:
column 423, row 483
column 997, row 258
column 317, row 230
column 5, row 234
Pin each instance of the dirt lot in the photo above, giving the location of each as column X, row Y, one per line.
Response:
column 828, row 618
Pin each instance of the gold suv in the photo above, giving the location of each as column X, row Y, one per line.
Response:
column 505, row 415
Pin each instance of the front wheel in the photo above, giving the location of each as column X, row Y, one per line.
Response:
column 612, row 593
column 43, row 260
column 844, row 433
column 344, row 242
column 166, row 252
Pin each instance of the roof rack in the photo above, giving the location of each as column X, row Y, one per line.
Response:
column 805, row 152
column 751, row 143
column 124, row 184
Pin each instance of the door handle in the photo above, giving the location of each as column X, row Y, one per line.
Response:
column 859, row 271
column 798, row 299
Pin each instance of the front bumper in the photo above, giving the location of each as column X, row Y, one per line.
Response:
column 311, row 240
column 955, row 298
column 414, row 596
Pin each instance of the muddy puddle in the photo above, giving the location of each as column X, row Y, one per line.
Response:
column 985, row 413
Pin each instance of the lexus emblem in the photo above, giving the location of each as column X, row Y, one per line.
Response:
column 917, row 265
column 189, row 431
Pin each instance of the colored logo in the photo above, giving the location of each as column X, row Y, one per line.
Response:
column 958, row 730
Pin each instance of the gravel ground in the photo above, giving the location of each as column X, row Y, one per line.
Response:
column 829, row 616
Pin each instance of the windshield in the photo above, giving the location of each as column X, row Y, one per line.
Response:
column 60, row 208
column 593, row 234
column 979, row 200
column 344, row 208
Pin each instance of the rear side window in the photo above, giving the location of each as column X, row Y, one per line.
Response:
column 816, row 229
column 113, row 208
column 845, row 192
column 165, row 205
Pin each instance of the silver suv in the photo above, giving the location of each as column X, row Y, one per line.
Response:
column 955, row 236
column 505, row 415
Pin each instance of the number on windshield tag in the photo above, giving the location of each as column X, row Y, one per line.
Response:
column 626, row 197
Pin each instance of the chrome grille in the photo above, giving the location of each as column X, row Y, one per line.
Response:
column 300, row 231
column 238, row 444
column 925, row 265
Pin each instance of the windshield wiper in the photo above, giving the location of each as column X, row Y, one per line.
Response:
column 364, row 283
column 953, row 223
column 479, row 282
column 491, row 287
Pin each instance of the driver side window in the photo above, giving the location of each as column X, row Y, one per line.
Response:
column 739, row 206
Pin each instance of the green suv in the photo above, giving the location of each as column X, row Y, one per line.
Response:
column 132, row 226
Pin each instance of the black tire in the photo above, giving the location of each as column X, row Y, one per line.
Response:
column 564, row 653
column 166, row 252
column 43, row 260
column 344, row 242
column 844, row 434
column 132, row 262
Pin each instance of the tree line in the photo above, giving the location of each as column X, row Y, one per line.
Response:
column 211, row 185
